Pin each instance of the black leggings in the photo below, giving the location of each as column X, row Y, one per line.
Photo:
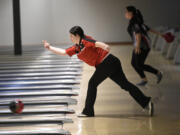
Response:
column 138, row 61
column 111, row 67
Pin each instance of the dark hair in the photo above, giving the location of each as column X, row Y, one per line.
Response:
column 137, row 16
column 77, row 30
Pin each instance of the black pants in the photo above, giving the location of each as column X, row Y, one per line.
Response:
column 138, row 61
column 111, row 67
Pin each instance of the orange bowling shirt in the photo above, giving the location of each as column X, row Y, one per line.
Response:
column 87, row 52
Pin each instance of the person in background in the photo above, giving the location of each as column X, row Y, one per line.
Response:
column 139, row 34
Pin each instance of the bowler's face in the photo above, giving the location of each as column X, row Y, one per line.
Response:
column 73, row 38
column 128, row 15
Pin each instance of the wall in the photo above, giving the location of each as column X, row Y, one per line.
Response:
column 36, row 20
column 103, row 19
column 6, row 24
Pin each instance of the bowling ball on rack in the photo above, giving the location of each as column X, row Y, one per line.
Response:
column 16, row 106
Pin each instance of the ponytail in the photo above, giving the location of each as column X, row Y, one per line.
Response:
column 137, row 16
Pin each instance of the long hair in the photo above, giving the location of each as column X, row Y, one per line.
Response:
column 137, row 15
column 137, row 18
column 77, row 30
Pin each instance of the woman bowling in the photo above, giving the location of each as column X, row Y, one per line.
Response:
column 97, row 54
column 138, row 32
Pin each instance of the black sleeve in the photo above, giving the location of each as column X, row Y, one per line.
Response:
column 137, row 29
column 146, row 28
column 141, row 28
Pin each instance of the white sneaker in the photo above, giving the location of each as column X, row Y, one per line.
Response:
column 151, row 108
column 82, row 115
